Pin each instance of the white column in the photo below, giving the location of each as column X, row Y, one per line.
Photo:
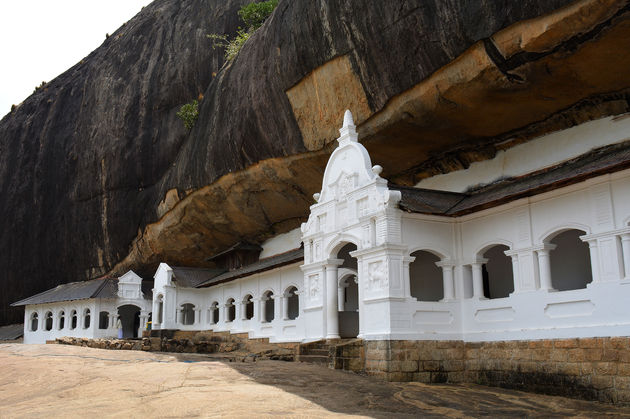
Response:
column 263, row 309
column 285, row 307
column 197, row 316
column 332, row 310
column 447, row 281
column 226, row 313
column 341, row 294
column 277, row 306
column 516, row 273
column 243, row 305
column 477, row 278
column 592, row 247
column 544, row 265
column 625, row 246
column 406, row 276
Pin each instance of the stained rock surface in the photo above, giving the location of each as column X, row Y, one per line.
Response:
column 98, row 175
column 71, row 381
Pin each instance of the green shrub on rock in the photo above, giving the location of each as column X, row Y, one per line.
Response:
column 189, row 114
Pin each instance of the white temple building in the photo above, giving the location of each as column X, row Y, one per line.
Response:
column 88, row 309
column 534, row 244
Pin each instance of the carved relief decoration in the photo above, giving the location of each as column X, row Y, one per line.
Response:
column 377, row 276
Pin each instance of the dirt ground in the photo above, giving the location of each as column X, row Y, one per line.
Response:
column 70, row 381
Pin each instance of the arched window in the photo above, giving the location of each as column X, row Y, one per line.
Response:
column 103, row 320
column 48, row 321
column 73, row 320
column 160, row 309
column 570, row 261
column 293, row 303
column 425, row 277
column 62, row 320
column 248, row 303
column 269, row 307
column 214, row 312
column 498, row 279
column 34, row 322
column 188, row 314
column 231, row 310
column 86, row 319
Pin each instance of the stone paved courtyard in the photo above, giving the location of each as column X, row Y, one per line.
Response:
column 68, row 381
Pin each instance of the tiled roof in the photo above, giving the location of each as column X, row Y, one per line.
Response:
column 12, row 331
column 287, row 258
column 95, row 288
column 191, row 277
column 598, row 162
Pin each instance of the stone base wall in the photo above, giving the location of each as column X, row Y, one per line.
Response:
column 591, row 368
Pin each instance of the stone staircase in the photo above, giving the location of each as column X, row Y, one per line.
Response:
column 343, row 354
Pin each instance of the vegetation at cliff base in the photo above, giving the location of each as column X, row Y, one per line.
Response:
column 253, row 15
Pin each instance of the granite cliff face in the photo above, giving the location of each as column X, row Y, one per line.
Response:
column 98, row 175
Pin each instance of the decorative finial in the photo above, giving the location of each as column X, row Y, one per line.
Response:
column 377, row 169
column 348, row 132
column 348, row 121
column 316, row 197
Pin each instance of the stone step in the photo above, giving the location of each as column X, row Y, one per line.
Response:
column 313, row 351
column 314, row 359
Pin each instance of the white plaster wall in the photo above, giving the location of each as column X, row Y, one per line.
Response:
column 42, row 335
column 276, row 280
column 534, row 155
column 281, row 243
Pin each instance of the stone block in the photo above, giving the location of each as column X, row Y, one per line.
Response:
column 376, row 354
column 454, row 365
column 561, row 355
column 594, row 354
column 409, row 366
column 604, row 368
column 457, row 377
column 394, row 366
column 600, row 382
column 617, row 343
column 611, row 355
column 541, row 354
column 590, row 343
column 422, row 377
column 429, row 366
column 412, row 355
column 356, row 364
column 577, row 355
column 398, row 354
column 566, row 343
column 622, row 384
column 569, row 368
column 623, row 369
column 472, row 364
column 397, row 376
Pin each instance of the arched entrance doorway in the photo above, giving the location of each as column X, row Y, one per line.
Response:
column 348, row 293
column 129, row 316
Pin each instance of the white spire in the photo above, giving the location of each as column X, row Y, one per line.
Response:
column 348, row 130
column 347, row 119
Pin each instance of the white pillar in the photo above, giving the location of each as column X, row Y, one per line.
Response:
column 226, row 313
column 341, row 294
column 447, row 281
column 332, row 310
column 285, row 307
column 544, row 265
column 516, row 273
column 477, row 278
column 592, row 247
column 625, row 246
column 263, row 309
column 243, row 305
column 277, row 306
column 197, row 316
